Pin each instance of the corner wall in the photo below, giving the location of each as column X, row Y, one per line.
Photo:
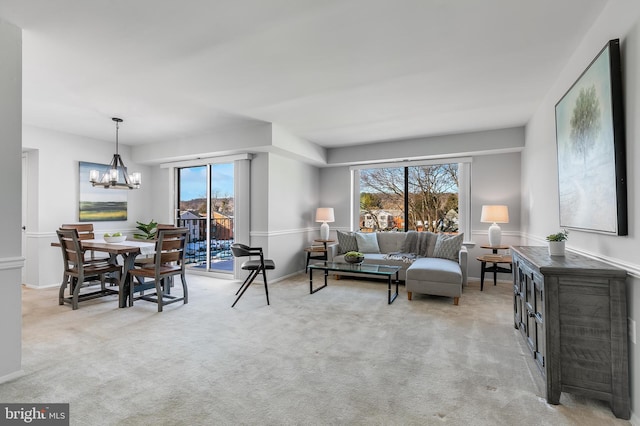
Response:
column 619, row 19
column 11, row 261
column 291, row 193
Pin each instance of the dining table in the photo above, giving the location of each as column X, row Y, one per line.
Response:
column 128, row 249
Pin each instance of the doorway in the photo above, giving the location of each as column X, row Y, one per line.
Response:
column 206, row 203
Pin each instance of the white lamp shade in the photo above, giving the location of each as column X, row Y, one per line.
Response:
column 494, row 214
column 325, row 214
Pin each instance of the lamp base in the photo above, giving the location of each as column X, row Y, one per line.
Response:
column 495, row 235
column 324, row 231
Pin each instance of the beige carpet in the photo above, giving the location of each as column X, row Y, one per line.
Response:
column 340, row 356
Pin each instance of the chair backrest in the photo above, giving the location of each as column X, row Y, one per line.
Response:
column 170, row 247
column 85, row 230
column 240, row 250
column 165, row 226
column 72, row 254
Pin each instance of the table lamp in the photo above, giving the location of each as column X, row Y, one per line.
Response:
column 494, row 215
column 324, row 215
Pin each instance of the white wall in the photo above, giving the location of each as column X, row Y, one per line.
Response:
column 10, row 208
column 292, row 200
column 53, row 160
column 463, row 144
column 540, row 217
column 495, row 179
column 251, row 137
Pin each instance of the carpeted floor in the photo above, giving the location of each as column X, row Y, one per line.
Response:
column 341, row 356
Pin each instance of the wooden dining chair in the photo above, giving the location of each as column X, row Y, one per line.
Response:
column 85, row 232
column 77, row 271
column 168, row 261
column 143, row 261
column 254, row 266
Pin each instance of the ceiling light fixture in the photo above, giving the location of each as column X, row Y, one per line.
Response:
column 111, row 177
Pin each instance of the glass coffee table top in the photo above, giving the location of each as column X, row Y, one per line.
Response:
column 360, row 268
column 356, row 267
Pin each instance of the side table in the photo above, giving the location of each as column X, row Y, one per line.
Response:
column 494, row 249
column 317, row 252
column 495, row 260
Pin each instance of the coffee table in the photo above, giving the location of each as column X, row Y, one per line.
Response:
column 360, row 268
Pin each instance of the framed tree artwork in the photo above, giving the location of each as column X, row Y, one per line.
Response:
column 590, row 140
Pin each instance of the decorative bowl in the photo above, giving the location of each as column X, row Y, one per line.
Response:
column 115, row 239
column 353, row 258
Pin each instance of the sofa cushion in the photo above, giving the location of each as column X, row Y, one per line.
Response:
column 367, row 242
column 448, row 246
column 391, row 242
column 419, row 243
column 346, row 242
column 435, row 270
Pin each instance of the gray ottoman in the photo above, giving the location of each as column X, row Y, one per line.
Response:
column 432, row 275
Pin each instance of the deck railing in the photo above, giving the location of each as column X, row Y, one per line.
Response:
column 221, row 231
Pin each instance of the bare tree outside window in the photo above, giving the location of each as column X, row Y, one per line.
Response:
column 431, row 195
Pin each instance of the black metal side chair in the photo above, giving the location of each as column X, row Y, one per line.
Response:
column 255, row 267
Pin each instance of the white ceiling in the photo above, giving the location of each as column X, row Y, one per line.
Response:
column 335, row 72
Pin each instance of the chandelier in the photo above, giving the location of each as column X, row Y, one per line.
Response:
column 111, row 176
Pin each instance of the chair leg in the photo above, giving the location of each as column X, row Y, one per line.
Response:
column 185, row 292
column 76, row 292
column 160, row 292
column 266, row 289
column 63, row 287
column 245, row 281
column 246, row 285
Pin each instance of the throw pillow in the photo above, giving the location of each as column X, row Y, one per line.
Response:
column 346, row 242
column 367, row 242
column 448, row 246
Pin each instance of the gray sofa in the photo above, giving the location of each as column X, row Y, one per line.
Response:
column 415, row 253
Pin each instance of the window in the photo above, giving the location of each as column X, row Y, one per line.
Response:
column 424, row 196
column 206, row 206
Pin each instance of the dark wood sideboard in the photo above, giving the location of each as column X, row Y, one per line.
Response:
column 572, row 312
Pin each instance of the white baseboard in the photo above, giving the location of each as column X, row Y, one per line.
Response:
column 12, row 376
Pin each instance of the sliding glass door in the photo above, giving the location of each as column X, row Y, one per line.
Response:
column 205, row 200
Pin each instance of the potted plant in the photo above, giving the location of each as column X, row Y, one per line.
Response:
column 556, row 242
column 147, row 230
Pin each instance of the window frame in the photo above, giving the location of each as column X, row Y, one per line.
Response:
column 464, row 187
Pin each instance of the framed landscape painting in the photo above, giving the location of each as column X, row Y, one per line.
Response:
column 99, row 204
column 591, row 148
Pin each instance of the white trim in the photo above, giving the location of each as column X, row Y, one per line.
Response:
column 267, row 234
column 41, row 287
column 11, row 376
column 9, row 263
column 412, row 163
column 207, row 161
column 98, row 233
column 632, row 269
